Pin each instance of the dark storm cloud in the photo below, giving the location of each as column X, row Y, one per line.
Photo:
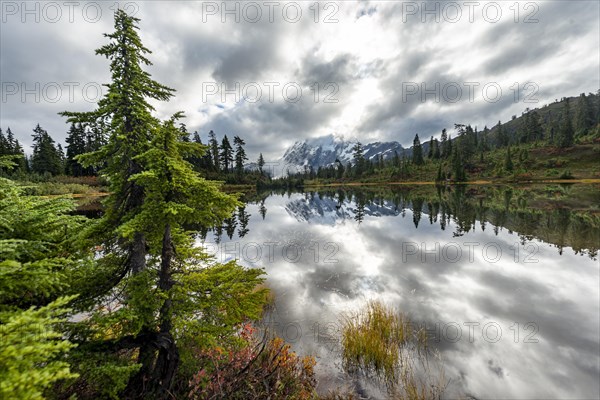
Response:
column 340, row 70
column 519, row 54
column 249, row 59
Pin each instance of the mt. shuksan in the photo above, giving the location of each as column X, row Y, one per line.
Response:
column 324, row 151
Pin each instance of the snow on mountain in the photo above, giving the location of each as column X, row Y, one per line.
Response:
column 325, row 150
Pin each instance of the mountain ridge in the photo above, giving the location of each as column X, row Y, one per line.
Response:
column 327, row 150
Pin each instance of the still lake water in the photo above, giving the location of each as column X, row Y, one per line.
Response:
column 507, row 289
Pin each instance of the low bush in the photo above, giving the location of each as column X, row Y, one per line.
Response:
column 257, row 369
column 566, row 175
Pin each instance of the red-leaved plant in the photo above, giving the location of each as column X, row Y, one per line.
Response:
column 264, row 368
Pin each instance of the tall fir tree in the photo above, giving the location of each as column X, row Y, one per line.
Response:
column 149, row 264
column 47, row 157
column 214, row 150
column 76, row 145
column 444, row 144
column 260, row 163
column 359, row 159
column 417, row 151
column 240, row 155
column 4, row 146
column 176, row 197
column 127, row 113
column 203, row 162
column 534, row 127
column 226, row 155
column 440, row 175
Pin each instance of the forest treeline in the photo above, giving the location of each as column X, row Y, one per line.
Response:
column 222, row 160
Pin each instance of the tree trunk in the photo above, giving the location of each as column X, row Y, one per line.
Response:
column 155, row 378
column 137, row 253
column 168, row 354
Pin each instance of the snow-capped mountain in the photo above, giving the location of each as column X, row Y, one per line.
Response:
column 325, row 150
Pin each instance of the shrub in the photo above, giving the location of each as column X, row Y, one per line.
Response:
column 566, row 175
column 256, row 369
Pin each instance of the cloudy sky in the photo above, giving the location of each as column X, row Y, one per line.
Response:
column 275, row 72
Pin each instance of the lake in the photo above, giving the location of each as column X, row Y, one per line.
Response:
column 504, row 279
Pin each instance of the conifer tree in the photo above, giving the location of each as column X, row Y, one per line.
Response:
column 240, row 155
column 226, row 155
column 76, row 145
column 36, row 267
column 10, row 141
column 127, row 113
column 417, row 151
column 260, row 163
column 47, row 157
column 4, row 146
column 445, row 151
column 214, row 150
column 175, row 197
column 359, row 159
column 439, row 177
column 534, row 127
